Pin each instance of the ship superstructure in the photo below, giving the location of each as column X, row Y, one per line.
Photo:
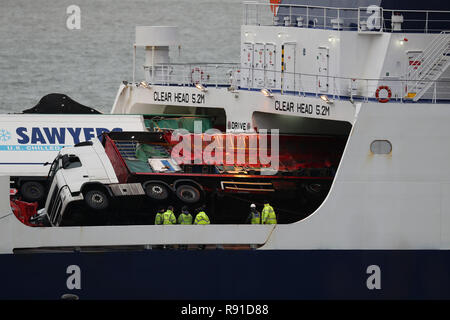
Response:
column 294, row 53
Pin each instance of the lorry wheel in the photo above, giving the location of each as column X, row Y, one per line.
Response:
column 32, row 191
column 188, row 194
column 96, row 199
column 157, row 191
column 314, row 188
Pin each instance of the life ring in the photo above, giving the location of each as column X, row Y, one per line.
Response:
column 195, row 71
column 383, row 100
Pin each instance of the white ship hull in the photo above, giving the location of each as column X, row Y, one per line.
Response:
column 390, row 201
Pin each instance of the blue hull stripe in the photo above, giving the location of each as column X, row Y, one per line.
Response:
column 229, row 274
column 20, row 163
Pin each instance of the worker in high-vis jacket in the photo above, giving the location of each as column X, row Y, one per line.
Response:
column 185, row 217
column 201, row 217
column 168, row 217
column 268, row 214
column 254, row 217
column 159, row 218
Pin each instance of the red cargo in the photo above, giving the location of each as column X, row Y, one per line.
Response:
column 24, row 210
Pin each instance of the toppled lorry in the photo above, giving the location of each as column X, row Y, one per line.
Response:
column 161, row 167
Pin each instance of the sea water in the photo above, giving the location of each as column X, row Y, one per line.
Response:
column 39, row 54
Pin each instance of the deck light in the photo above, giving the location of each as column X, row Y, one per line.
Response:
column 144, row 84
column 267, row 92
column 200, row 87
column 325, row 98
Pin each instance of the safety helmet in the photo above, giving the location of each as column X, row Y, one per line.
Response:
column 252, row 205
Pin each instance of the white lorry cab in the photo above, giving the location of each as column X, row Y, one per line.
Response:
column 29, row 141
column 83, row 172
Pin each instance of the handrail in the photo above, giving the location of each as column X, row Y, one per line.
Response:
column 285, row 72
column 436, row 56
column 431, row 45
column 328, row 14
column 433, row 50
column 231, row 76
column 428, row 51
column 341, row 8
column 432, row 56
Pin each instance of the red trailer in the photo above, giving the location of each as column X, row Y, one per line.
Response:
column 194, row 164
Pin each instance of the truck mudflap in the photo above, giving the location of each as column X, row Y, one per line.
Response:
column 24, row 211
column 127, row 189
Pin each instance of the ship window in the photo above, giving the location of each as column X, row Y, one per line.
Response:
column 70, row 162
column 381, row 147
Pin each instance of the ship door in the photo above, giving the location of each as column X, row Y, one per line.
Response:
column 247, row 65
column 288, row 66
column 323, row 62
column 258, row 60
column 270, row 65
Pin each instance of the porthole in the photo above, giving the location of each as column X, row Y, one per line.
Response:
column 381, row 147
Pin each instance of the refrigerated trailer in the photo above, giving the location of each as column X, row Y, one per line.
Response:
column 29, row 141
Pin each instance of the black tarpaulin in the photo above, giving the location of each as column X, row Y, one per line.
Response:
column 55, row 103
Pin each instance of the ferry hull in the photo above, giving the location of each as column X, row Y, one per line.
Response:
column 230, row 275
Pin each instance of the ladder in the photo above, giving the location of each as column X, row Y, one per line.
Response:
column 433, row 62
column 126, row 149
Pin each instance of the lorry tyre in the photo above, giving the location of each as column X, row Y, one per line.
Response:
column 32, row 191
column 157, row 191
column 96, row 199
column 188, row 193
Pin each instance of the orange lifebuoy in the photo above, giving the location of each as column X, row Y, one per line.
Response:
column 383, row 100
column 200, row 72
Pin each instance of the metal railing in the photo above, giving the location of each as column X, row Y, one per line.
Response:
column 288, row 83
column 433, row 52
column 363, row 19
column 430, row 60
column 188, row 74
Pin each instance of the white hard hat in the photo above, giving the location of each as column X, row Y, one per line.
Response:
column 252, row 205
